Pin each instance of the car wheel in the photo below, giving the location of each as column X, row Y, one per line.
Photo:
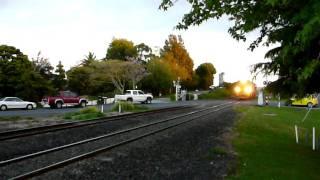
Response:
column 3, row 108
column 59, row 105
column 129, row 100
column 29, row 107
column 310, row 105
column 83, row 104
column 149, row 100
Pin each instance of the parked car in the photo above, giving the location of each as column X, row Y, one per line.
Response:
column 16, row 103
column 134, row 96
column 309, row 100
column 64, row 98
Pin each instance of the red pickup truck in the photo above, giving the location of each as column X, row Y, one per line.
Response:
column 64, row 98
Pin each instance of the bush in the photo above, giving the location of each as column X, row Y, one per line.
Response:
column 85, row 114
column 172, row 97
column 128, row 107
column 220, row 93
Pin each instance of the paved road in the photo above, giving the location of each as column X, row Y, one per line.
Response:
column 47, row 112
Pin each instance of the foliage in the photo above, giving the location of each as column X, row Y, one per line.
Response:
column 43, row 66
column 121, row 49
column 159, row 78
column 267, row 142
column 205, row 73
column 85, row 114
column 59, row 79
column 219, row 93
column 293, row 26
column 172, row 97
column 144, row 52
column 79, row 79
column 89, row 59
column 175, row 54
column 17, row 76
column 121, row 72
column 128, row 107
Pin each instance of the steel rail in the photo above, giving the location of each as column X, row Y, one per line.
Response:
column 69, row 125
column 13, row 160
column 103, row 149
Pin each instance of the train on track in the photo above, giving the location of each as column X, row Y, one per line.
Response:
column 244, row 90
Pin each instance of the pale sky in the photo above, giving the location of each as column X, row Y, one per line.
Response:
column 67, row 30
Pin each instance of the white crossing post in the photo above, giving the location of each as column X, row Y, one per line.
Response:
column 313, row 138
column 297, row 137
column 119, row 107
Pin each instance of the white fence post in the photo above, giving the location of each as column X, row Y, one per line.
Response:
column 313, row 138
column 297, row 137
column 102, row 108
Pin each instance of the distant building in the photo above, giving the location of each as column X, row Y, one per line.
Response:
column 221, row 79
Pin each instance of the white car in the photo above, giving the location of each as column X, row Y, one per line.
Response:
column 15, row 103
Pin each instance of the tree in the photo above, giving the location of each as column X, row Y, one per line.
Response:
column 144, row 52
column 135, row 72
column 205, row 74
column 17, row 76
column 59, row 80
column 293, row 26
column 79, row 79
column 121, row 49
column 177, row 57
column 43, row 66
column 159, row 78
column 89, row 59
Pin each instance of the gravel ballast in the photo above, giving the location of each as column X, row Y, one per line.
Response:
column 197, row 150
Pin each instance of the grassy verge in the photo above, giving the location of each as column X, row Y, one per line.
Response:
column 85, row 114
column 220, row 93
column 128, row 107
column 266, row 148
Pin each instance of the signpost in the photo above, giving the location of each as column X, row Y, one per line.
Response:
column 177, row 85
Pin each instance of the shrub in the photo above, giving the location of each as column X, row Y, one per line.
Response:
column 128, row 107
column 220, row 93
column 172, row 97
column 85, row 114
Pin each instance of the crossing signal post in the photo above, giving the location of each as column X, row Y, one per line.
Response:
column 177, row 85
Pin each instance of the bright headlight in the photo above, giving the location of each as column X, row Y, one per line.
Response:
column 248, row 89
column 237, row 89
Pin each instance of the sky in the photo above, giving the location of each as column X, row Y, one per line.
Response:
column 67, row 30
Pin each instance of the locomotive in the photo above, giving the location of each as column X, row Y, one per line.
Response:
column 244, row 90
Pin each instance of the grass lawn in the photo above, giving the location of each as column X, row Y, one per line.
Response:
column 265, row 144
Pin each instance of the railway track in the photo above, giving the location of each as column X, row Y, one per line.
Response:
column 63, row 155
column 7, row 135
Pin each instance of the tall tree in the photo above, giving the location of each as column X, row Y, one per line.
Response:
column 144, row 52
column 59, row 80
column 175, row 54
column 293, row 26
column 79, row 79
column 159, row 78
column 205, row 74
column 17, row 76
column 43, row 66
column 121, row 49
column 89, row 59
